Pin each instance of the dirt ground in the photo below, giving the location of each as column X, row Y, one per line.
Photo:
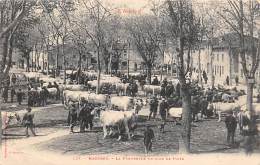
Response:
column 208, row 136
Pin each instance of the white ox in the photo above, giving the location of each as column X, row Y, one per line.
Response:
column 73, row 87
column 11, row 118
column 153, row 89
column 123, row 102
column 112, row 118
column 77, row 96
column 121, row 88
column 175, row 112
column 222, row 108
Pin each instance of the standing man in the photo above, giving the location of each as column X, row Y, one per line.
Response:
column 19, row 96
column 28, row 121
column 205, row 77
column 5, row 94
column 169, row 90
column 12, row 94
column 163, row 111
column 231, row 125
column 72, row 117
column 83, row 116
column 227, row 80
column 153, row 107
column 236, row 79
column 148, row 137
column 58, row 90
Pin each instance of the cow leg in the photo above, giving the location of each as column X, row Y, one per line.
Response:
column 219, row 116
column 104, row 131
column 127, row 129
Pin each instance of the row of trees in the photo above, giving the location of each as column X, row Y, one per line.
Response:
column 90, row 26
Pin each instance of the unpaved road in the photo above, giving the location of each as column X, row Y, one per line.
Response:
column 54, row 145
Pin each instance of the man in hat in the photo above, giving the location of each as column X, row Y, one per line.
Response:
column 19, row 96
column 83, row 113
column 12, row 94
column 231, row 125
column 28, row 121
column 169, row 90
column 5, row 94
column 72, row 117
column 163, row 111
column 148, row 137
column 153, row 107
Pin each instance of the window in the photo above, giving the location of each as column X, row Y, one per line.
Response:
column 223, row 69
column 124, row 63
column 222, row 57
column 217, row 57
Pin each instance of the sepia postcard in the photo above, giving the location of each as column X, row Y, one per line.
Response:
column 129, row 82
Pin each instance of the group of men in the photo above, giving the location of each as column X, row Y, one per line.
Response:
column 19, row 95
column 85, row 115
column 39, row 97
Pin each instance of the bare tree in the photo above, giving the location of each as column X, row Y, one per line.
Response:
column 147, row 40
column 184, row 28
column 11, row 14
column 241, row 18
column 93, row 25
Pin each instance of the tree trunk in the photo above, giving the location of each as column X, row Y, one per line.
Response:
column 27, row 56
column 186, row 117
column 249, row 105
column 4, row 53
column 230, row 64
column 149, row 73
column 57, row 57
column 200, row 82
column 211, row 68
column 48, row 66
column 79, row 65
column 64, row 62
column 99, row 71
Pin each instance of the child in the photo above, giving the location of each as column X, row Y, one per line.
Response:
column 148, row 136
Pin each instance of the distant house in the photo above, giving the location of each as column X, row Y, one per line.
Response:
column 226, row 59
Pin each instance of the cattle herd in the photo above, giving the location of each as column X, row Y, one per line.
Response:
column 121, row 99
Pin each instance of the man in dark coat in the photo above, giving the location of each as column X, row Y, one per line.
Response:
column 169, row 90
column 163, row 112
column 205, row 77
column 178, row 90
column 49, row 85
column 30, row 97
column 5, row 94
column 28, row 121
column 195, row 108
column 164, row 83
column 203, row 106
column 44, row 96
column 231, row 125
column 236, row 79
column 19, row 96
column 155, row 81
column 84, row 115
column 153, row 107
column 58, row 90
column 12, row 94
column 72, row 117
column 148, row 137
column 227, row 80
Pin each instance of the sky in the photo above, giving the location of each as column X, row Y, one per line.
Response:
column 143, row 6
